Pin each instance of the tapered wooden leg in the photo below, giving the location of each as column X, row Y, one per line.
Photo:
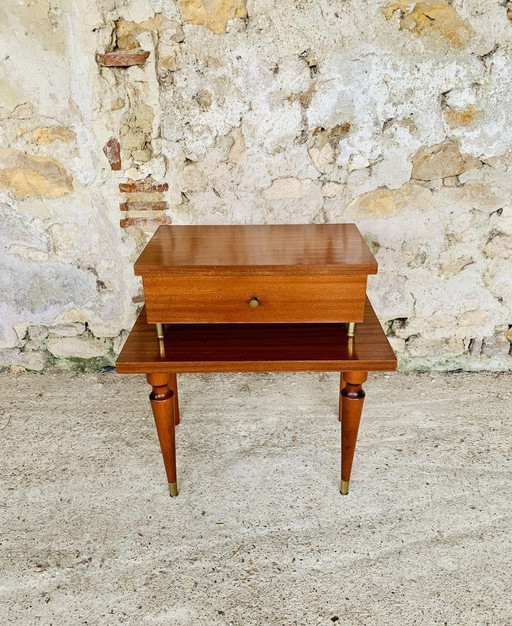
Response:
column 352, row 398
column 342, row 384
column 162, row 403
column 173, row 384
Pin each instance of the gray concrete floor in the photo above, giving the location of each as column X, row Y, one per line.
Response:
column 259, row 533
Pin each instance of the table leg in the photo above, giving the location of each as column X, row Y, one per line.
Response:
column 162, row 403
column 342, row 384
column 352, row 398
column 173, row 384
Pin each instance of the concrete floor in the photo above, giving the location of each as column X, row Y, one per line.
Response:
column 259, row 534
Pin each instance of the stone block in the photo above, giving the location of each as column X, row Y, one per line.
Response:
column 19, row 361
column 475, row 347
column 122, row 59
column 117, row 104
column 169, row 63
column 39, row 294
column 284, row 188
column 238, row 151
column 67, row 330
column 384, row 203
column 78, row 347
column 461, row 118
column 27, row 175
column 322, row 155
column 21, row 330
column 214, row 14
column 430, row 18
column 37, row 333
column 417, row 346
column 50, row 134
column 442, row 160
column 496, row 345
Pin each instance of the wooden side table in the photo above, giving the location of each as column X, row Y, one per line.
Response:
column 257, row 347
column 254, row 298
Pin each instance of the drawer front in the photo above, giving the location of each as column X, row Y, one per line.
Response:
column 254, row 299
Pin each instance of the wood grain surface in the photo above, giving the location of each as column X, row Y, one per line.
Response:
column 226, row 299
column 257, row 348
column 257, row 249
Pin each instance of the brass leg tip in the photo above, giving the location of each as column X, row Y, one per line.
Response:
column 351, row 331
column 173, row 489
column 160, row 331
column 344, row 487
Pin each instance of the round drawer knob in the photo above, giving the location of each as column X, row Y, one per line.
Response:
column 253, row 302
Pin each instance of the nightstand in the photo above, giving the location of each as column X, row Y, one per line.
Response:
column 251, row 299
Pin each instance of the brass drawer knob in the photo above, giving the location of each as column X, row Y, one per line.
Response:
column 253, row 302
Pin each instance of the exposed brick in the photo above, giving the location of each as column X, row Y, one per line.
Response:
column 143, row 206
column 145, row 222
column 142, row 186
column 112, row 151
column 122, row 59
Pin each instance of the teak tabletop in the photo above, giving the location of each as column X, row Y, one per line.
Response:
column 257, row 249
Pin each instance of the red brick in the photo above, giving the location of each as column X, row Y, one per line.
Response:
column 122, row 59
column 144, row 222
column 142, row 186
column 112, row 151
column 143, row 206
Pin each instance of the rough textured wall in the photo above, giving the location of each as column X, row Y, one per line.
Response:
column 393, row 115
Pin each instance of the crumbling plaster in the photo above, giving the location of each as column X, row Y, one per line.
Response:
column 392, row 115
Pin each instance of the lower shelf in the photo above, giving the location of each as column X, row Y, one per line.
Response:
column 257, row 347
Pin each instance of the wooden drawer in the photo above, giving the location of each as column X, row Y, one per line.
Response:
column 227, row 298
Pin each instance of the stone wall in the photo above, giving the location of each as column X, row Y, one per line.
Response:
column 118, row 115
